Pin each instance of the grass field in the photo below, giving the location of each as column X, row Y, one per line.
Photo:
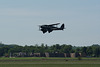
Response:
column 49, row 62
column 49, row 65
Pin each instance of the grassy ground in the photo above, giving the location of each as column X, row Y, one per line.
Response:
column 49, row 62
column 49, row 65
column 5, row 58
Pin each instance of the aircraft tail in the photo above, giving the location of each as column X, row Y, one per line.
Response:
column 62, row 27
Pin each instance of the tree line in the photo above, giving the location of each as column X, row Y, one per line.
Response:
column 89, row 51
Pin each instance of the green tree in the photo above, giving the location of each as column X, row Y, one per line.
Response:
column 89, row 51
column 84, row 50
column 66, row 48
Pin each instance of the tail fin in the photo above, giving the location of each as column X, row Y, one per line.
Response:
column 62, row 26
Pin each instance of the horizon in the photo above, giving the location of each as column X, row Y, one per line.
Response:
column 47, row 45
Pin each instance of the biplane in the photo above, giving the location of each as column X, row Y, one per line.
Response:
column 51, row 27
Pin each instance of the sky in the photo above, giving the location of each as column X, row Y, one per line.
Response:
column 20, row 20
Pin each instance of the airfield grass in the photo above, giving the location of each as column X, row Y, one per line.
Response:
column 49, row 62
column 49, row 65
column 21, row 58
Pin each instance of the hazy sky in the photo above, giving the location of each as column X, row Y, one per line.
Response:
column 19, row 20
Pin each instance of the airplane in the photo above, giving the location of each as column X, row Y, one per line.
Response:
column 51, row 27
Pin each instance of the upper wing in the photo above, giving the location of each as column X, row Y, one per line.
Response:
column 49, row 24
column 54, row 24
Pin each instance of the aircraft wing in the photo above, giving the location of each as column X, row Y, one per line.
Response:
column 44, row 30
column 50, row 24
column 54, row 24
